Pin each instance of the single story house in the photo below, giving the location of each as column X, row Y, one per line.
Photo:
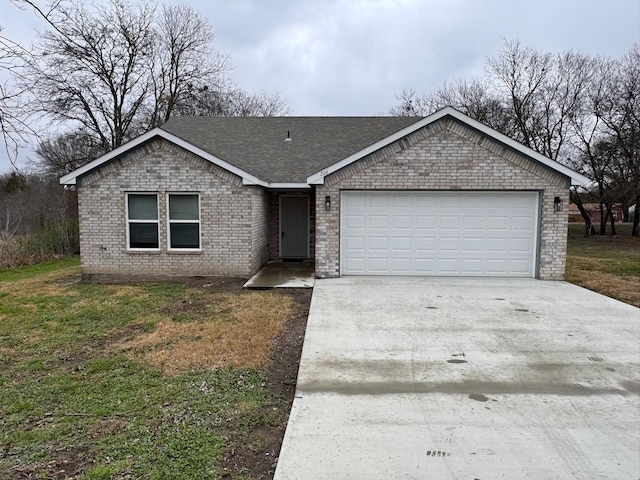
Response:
column 442, row 195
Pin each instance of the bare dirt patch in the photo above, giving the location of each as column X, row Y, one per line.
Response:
column 246, row 459
column 253, row 456
column 215, row 331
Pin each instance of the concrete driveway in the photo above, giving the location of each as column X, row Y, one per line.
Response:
column 431, row 378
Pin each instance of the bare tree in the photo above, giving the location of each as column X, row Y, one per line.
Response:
column 541, row 93
column 184, row 62
column 412, row 105
column 475, row 98
column 619, row 111
column 64, row 153
column 93, row 70
column 109, row 73
column 11, row 215
column 115, row 71
column 579, row 110
column 14, row 125
column 233, row 102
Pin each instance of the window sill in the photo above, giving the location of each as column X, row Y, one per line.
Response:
column 185, row 252
column 143, row 252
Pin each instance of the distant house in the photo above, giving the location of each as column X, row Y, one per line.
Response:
column 593, row 209
column 437, row 195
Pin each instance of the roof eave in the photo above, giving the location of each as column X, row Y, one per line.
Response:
column 247, row 178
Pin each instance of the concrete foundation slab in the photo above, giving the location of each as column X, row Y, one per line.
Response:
column 283, row 274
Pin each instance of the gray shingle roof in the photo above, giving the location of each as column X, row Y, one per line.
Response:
column 257, row 144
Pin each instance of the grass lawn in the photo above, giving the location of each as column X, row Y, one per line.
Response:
column 175, row 381
column 154, row 381
column 605, row 264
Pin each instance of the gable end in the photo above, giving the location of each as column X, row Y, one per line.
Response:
column 150, row 148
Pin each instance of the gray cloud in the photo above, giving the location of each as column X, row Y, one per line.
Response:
column 349, row 57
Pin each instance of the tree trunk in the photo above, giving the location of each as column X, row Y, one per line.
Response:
column 625, row 212
column 613, row 223
column 588, row 223
column 635, row 231
column 603, row 219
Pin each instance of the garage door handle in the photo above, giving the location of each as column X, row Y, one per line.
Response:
column 282, row 234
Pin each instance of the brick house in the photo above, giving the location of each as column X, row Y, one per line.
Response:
column 593, row 209
column 437, row 195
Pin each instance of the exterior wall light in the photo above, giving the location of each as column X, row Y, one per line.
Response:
column 327, row 202
column 557, row 203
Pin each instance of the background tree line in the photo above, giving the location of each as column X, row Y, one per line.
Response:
column 581, row 111
column 99, row 76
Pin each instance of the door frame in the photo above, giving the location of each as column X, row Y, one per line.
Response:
column 308, row 216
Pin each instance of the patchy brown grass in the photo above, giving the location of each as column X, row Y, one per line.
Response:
column 228, row 330
column 587, row 272
column 606, row 264
column 44, row 285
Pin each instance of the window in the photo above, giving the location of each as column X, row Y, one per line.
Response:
column 184, row 221
column 142, row 221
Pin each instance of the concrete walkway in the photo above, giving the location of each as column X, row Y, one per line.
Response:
column 282, row 274
column 419, row 378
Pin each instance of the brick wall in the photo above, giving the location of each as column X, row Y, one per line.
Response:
column 233, row 217
column 259, row 228
column 445, row 155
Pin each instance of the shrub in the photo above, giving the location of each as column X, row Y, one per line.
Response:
column 53, row 241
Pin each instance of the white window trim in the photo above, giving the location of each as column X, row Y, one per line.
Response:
column 129, row 221
column 169, row 222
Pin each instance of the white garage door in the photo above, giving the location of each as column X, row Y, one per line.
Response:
column 438, row 233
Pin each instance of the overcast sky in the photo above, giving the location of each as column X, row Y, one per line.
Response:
column 349, row 57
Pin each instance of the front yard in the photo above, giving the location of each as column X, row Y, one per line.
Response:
column 608, row 265
column 175, row 381
column 154, row 381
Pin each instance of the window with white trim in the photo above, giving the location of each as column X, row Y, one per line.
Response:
column 142, row 221
column 184, row 221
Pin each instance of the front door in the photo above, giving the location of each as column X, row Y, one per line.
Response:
column 294, row 226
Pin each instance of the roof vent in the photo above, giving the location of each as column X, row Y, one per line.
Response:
column 288, row 139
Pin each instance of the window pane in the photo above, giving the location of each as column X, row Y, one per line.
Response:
column 143, row 207
column 143, row 235
column 183, row 207
column 185, row 235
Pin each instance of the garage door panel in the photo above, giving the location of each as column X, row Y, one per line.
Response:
column 426, row 201
column 425, row 244
column 521, row 223
column 438, row 233
column 402, row 244
column 401, row 201
column 378, row 201
column 354, row 243
column 354, row 221
column 353, row 263
column 402, row 264
column 426, row 221
column 379, row 221
column 402, row 222
column 521, row 266
column 378, row 243
column 521, row 245
column 378, row 265
column 496, row 266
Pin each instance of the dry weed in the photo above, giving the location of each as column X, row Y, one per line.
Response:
column 584, row 272
column 237, row 332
